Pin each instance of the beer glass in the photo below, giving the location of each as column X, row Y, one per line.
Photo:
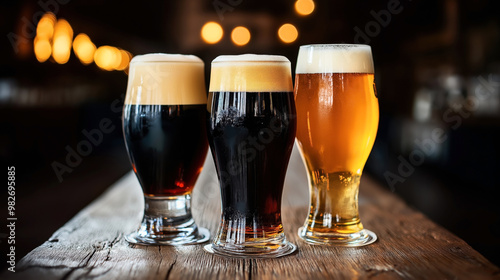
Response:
column 164, row 126
column 251, row 131
column 337, row 120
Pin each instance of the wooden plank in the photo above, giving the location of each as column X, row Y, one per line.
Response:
column 91, row 245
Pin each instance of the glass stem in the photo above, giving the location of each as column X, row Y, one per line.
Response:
column 164, row 216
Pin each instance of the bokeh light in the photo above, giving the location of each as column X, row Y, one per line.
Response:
column 288, row 33
column 84, row 48
column 304, row 7
column 55, row 37
column 125, row 60
column 61, row 44
column 212, row 32
column 42, row 48
column 107, row 57
column 45, row 27
column 240, row 36
column 44, row 33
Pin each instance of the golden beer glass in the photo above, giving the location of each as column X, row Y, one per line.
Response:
column 337, row 121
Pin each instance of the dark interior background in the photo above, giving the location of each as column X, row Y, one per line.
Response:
column 437, row 71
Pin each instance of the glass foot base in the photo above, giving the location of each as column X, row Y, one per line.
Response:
column 201, row 236
column 284, row 250
column 361, row 238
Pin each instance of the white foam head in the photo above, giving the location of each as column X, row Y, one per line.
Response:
column 166, row 79
column 165, row 57
column 251, row 73
column 334, row 59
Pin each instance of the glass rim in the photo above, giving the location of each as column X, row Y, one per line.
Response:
column 333, row 46
column 166, row 58
column 250, row 58
column 165, row 61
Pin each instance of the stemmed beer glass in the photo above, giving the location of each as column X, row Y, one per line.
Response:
column 164, row 126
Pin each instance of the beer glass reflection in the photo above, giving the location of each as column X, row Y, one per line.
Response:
column 337, row 120
column 251, row 128
column 164, row 126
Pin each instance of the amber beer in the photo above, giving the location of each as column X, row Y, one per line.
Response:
column 251, row 128
column 337, row 120
column 164, row 127
column 169, row 138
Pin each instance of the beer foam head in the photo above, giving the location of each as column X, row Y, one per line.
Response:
column 251, row 73
column 166, row 79
column 334, row 59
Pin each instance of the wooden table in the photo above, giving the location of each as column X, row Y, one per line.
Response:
column 91, row 245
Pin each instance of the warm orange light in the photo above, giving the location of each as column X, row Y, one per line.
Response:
column 45, row 27
column 84, row 48
column 61, row 49
column 107, row 57
column 240, row 36
column 61, row 44
column 42, row 49
column 125, row 60
column 117, row 58
column 212, row 32
column 63, row 27
column 304, row 7
column 288, row 33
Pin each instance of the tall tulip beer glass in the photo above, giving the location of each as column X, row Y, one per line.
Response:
column 251, row 130
column 164, row 126
column 337, row 120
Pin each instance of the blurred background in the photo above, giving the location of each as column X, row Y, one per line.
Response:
column 63, row 72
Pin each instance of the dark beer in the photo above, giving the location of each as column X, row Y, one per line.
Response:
column 167, row 145
column 164, row 126
column 251, row 130
column 251, row 136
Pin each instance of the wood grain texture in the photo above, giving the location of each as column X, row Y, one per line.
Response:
column 410, row 246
